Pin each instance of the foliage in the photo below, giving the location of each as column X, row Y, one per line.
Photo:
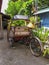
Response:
column 43, row 3
column 18, row 23
column 26, row 7
column 42, row 34
column 13, row 7
column 38, row 19
column 32, row 19
column 19, row 7
column 46, row 52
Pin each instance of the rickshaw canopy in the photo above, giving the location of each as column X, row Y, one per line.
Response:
column 20, row 17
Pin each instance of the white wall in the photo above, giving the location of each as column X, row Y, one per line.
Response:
column 4, row 5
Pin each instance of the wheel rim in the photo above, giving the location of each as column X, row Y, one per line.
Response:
column 35, row 46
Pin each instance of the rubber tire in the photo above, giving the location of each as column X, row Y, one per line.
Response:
column 41, row 46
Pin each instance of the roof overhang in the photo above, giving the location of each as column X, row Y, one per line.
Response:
column 41, row 11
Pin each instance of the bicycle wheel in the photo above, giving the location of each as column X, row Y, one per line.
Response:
column 36, row 47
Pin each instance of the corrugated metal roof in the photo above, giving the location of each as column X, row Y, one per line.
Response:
column 42, row 11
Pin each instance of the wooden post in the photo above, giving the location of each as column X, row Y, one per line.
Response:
column 1, row 27
column 25, row 23
column 36, row 8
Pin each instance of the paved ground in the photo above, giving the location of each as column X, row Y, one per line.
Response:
column 21, row 55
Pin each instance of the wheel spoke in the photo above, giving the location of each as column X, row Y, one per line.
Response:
column 35, row 46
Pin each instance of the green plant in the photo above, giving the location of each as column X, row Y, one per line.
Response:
column 46, row 52
column 18, row 23
column 32, row 19
column 38, row 19
column 19, row 7
column 42, row 34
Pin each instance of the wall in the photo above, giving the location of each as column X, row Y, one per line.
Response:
column 0, row 4
column 44, row 19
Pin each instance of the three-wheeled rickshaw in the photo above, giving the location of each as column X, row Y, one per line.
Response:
column 24, row 33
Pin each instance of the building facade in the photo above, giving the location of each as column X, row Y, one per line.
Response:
column 44, row 16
